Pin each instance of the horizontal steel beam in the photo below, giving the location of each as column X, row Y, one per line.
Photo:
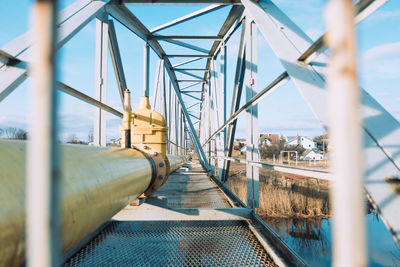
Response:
column 184, row 37
column 75, row 93
column 304, row 171
column 184, row 2
column 187, row 17
column 191, row 85
column 188, row 69
column 186, row 45
column 186, row 62
column 199, row 56
column 185, row 81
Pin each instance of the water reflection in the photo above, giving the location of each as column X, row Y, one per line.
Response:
column 298, row 211
column 311, row 239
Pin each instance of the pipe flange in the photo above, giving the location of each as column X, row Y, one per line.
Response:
column 160, row 168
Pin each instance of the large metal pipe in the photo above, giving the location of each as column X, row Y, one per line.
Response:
column 96, row 183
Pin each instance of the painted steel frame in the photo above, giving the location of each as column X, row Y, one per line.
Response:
column 380, row 147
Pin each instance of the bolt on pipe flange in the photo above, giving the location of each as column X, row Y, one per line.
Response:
column 159, row 169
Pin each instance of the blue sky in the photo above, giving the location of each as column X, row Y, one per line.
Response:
column 283, row 112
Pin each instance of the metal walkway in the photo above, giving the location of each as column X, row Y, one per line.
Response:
column 189, row 222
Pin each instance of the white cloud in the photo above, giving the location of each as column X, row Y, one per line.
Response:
column 383, row 50
column 381, row 61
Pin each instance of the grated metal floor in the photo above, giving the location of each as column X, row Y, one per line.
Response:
column 173, row 243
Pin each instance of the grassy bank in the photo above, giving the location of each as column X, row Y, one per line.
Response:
column 284, row 195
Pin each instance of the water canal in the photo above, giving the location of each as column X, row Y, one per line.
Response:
column 299, row 212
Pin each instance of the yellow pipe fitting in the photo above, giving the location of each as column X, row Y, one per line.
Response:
column 149, row 128
column 125, row 128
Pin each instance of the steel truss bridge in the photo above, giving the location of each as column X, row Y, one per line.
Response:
column 324, row 80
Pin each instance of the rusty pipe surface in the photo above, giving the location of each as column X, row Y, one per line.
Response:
column 96, row 183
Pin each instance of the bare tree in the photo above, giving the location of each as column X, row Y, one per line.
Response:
column 71, row 138
column 90, row 136
column 15, row 133
column 10, row 132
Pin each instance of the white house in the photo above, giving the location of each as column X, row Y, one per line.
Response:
column 312, row 155
column 303, row 141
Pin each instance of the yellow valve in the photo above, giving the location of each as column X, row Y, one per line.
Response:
column 125, row 128
column 149, row 128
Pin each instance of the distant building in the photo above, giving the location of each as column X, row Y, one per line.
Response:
column 239, row 142
column 303, row 141
column 269, row 139
column 312, row 155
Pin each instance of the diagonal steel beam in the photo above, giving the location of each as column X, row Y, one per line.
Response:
column 237, row 92
column 186, row 45
column 116, row 60
column 184, row 37
column 77, row 94
column 363, row 8
column 180, row 2
column 381, row 130
column 189, row 95
column 279, row 81
column 71, row 20
column 123, row 15
column 190, row 74
column 187, row 17
column 232, row 20
column 186, row 62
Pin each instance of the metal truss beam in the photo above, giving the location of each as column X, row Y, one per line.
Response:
column 252, row 135
column 304, row 171
column 231, row 22
column 198, row 56
column 189, row 46
column 188, row 69
column 123, row 15
column 236, row 96
column 278, row 82
column 190, row 74
column 189, row 95
column 191, row 85
column 100, row 86
column 116, row 60
column 187, row 17
column 380, row 129
column 71, row 20
column 193, row 105
column 179, row 2
column 77, row 94
column 184, row 37
column 186, row 62
column 363, row 8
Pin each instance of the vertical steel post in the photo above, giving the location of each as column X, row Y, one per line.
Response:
column 237, row 93
column 169, row 118
column 146, row 70
column 252, row 136
column 156, row 87
column 163, row 93
column 99, row 132
column 214, row 112
column 42, row 177
column 176, row 126
column 349, row 247
column 222, row 114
